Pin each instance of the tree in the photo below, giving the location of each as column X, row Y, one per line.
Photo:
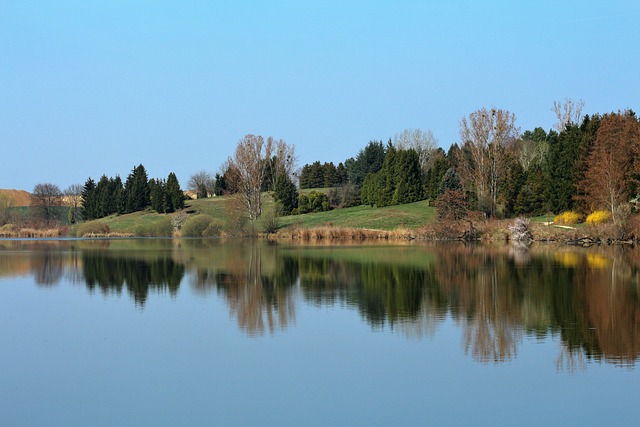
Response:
column 567, row 155
column 158, row 195
column 88, row 210
column 221, row 184
column 369, row 160
column 136, row 190
column 567, row 113
column 174, row 195
column 286, row 194
column 613, row 163
column 73, row 194
column 423, row 142
column 202, row 184
column 284, row 161
column 45, row 198
column 247, row 169
column 485, row 135
column 452, row 205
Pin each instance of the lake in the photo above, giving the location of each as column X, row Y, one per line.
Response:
column 250, row 333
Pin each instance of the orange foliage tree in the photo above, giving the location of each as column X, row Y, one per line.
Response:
column 613, row 163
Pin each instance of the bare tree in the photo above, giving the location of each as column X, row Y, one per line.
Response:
column 423, row 142
column 45, row 198
column 567, row 112
column 247, row 170
column 283, row 162
column 531, row 153
column 202, row 183
column 73, row 197
column 485, row 135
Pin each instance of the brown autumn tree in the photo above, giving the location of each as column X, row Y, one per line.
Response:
column 613, row 164
column 247, row 170
column 485, row 136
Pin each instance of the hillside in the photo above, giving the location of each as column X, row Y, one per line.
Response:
column 17, row 197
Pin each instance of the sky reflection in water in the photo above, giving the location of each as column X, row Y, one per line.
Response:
column 247, row 333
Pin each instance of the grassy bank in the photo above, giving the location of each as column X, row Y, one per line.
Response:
column 405, row 222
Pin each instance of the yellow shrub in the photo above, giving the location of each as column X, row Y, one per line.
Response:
column 598, row 217
column 568, row 218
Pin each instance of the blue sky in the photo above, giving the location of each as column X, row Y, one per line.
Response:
column 96, row 87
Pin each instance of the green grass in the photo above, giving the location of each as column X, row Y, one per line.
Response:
column 412, row 215
column 128, row 223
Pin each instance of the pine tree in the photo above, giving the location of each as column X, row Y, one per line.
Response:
column 175, row 196
column 137, row 192
column 88, row 209
column 286, row 194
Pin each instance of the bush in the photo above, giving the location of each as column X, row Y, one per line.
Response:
column 598, row 217
column 568, row 218
column 162, row 228
column 92, row 228
column 200, row 226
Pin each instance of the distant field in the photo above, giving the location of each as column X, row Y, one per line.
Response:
column 17, row 197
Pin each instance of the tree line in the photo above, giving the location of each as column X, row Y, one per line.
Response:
column 585, row 163
column 110, row 196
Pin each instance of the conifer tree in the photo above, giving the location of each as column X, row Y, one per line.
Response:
column 88, row 206
column 175, row 196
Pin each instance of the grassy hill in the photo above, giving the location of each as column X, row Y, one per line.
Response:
column 16, row 197
column 412, row 215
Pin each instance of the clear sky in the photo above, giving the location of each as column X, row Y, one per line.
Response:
column 97, row 87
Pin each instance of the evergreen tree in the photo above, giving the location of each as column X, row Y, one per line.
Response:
column 174, row 195
column 408, row 177
column 103, row 197
column 88, row 209
column 158, row 195
column 286, row 194
column 117, row 192
column 369, row 160
column 221, row 186
column 137, row 192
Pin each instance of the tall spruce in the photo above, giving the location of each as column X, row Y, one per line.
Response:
column 88, row 205
column 175, row 196
column 137, row 192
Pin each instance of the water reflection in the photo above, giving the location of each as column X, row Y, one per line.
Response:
column 588, row 299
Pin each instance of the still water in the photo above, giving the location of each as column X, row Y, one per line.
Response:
column 191, row 332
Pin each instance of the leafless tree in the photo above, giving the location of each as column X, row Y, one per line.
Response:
column 73, row 198
column 485, row 135
column 284, row 160
column 531, row 153
column 247, row 169
column 201, row 180
column 44, row 199
column 423, row 142
column 567, row 112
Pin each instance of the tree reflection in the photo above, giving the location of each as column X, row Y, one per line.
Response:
column 111, row 273
column 258, row 286
column 589, row 299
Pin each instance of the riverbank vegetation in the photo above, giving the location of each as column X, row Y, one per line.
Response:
column 584, row 174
